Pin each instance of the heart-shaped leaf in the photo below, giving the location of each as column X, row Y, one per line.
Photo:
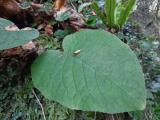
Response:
column 96, row 72
column 14, row 38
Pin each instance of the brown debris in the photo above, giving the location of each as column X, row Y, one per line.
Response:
column 60, row 4
column 48, row 29
column 9, row 8
column 11, row 52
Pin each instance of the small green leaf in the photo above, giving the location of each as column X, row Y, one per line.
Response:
column 11, row 39
column 61, row 33
column 81, row 7
column 96, row 72
column 4, row 23
column 63, row 16
column 47, row 8
column 25, row 5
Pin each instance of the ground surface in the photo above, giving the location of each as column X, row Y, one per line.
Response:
column 18, row 97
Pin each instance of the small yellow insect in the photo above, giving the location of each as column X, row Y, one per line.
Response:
column 77, row 52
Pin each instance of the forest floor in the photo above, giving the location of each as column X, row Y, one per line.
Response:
column 19, row 100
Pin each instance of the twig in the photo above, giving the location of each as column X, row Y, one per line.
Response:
column 39, row 104
column 95, row 115
column 36, row 5
column 112, row 117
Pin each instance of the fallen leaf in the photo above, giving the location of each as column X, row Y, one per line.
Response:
column 29, row 46
column 48, row 29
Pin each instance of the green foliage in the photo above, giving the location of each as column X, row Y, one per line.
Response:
column 82, row 6
column 11, row 39
column 125, row 10
column 63, row 16
column 99, row 13
column 47, row 8
column 110, row 7
column 115, row 13
column 96, row 72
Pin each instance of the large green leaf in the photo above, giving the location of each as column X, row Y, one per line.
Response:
column 11, row 39
column 96, row 72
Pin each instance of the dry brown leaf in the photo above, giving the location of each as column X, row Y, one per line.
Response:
column 59, row 4
column 29, row 46
column 9, row 8
column 48, row 29
column 11, row 52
